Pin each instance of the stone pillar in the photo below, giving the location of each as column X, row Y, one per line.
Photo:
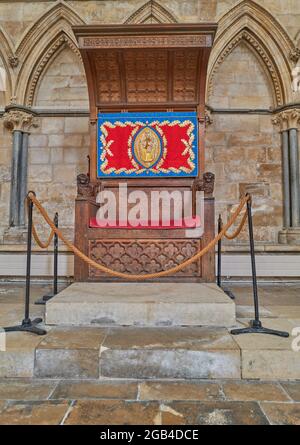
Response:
column 19, row 120
column 289, row 122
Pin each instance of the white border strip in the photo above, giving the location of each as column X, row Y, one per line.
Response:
column 233, row 265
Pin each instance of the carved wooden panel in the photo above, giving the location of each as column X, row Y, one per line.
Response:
column 144, row 256
column 185, row 75
column 204, row 40
column 146, row 76
column 108, row 77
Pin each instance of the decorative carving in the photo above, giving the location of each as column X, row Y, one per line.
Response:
column 287, row 119
column 108, row 82
column 296, row 79
column 205, row 184
column 185, row 75
column 59, row 43
column 19, row 119
column 257, row 46
column 208, row 116
column 13, row 61
column 149, row 41
column 84, row 188
column 151, row 12
column 295, row 54
column 146, row 79
column 59, row 12
column 144, row 256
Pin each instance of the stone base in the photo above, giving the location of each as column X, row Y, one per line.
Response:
column 290, row 236
column 15, row 235
column 141, row 304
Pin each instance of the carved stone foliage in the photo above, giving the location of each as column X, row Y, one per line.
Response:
column 13, row 61
column 287, row 119
column 295, row 54
column 151, row 12
column 144, row 256
column 84, row 188
column 19, row 120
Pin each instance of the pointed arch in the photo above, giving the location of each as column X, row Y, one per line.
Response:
column 60, row 12
column 251, row 23
column 6, row 54
column 151, row 11
column 55, row 47
column 41, row 43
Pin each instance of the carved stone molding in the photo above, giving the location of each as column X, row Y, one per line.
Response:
column 61, row 12
column 59, row 43
column 19, row 119
column 295, row 55
column 263, row 55
column 208, row 116
column 287, row 119
column 151, row 11
column 13, row 61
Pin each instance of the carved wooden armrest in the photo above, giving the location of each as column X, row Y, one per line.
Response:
column 87, row 189
column 205, row 184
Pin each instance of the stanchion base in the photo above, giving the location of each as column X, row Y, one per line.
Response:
column 44, row 299
column 229, row 293
column 28, row 326
column 257, row 328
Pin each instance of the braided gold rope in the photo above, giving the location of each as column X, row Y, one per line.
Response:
column 105, row 269
column 236, row 233
column 136, row 277
column 38, row 240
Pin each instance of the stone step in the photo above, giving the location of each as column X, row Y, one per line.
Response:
column 140, row 353
column 152, row 353
column 141, row 304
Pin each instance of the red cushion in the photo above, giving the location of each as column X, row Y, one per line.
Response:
column 188, row 223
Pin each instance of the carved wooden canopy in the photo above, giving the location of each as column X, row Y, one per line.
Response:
column 146, row 66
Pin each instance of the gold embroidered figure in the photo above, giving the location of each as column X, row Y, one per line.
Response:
column 147, row 147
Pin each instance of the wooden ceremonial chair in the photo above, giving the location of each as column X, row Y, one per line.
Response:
column 121, row 62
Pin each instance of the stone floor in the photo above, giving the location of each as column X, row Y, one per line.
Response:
column 131, row 402
column 34, row 398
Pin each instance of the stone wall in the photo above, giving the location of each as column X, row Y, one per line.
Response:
column 243, row 147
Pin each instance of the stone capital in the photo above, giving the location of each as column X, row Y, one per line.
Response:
column 288, row 119
column 19, row 119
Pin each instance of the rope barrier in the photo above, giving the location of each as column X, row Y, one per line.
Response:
column 37, row 239
column 136, row 277
column 238, row 230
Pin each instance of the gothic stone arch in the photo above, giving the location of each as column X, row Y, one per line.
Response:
column 251, row 23
column 49, row 34
column 151, row 12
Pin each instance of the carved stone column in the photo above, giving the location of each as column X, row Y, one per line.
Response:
column 19, row 120
column 289, row 122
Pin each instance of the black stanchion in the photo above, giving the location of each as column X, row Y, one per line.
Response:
column 27, row 324
column 219, row 267
column 48, row 297
column 256, row 326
